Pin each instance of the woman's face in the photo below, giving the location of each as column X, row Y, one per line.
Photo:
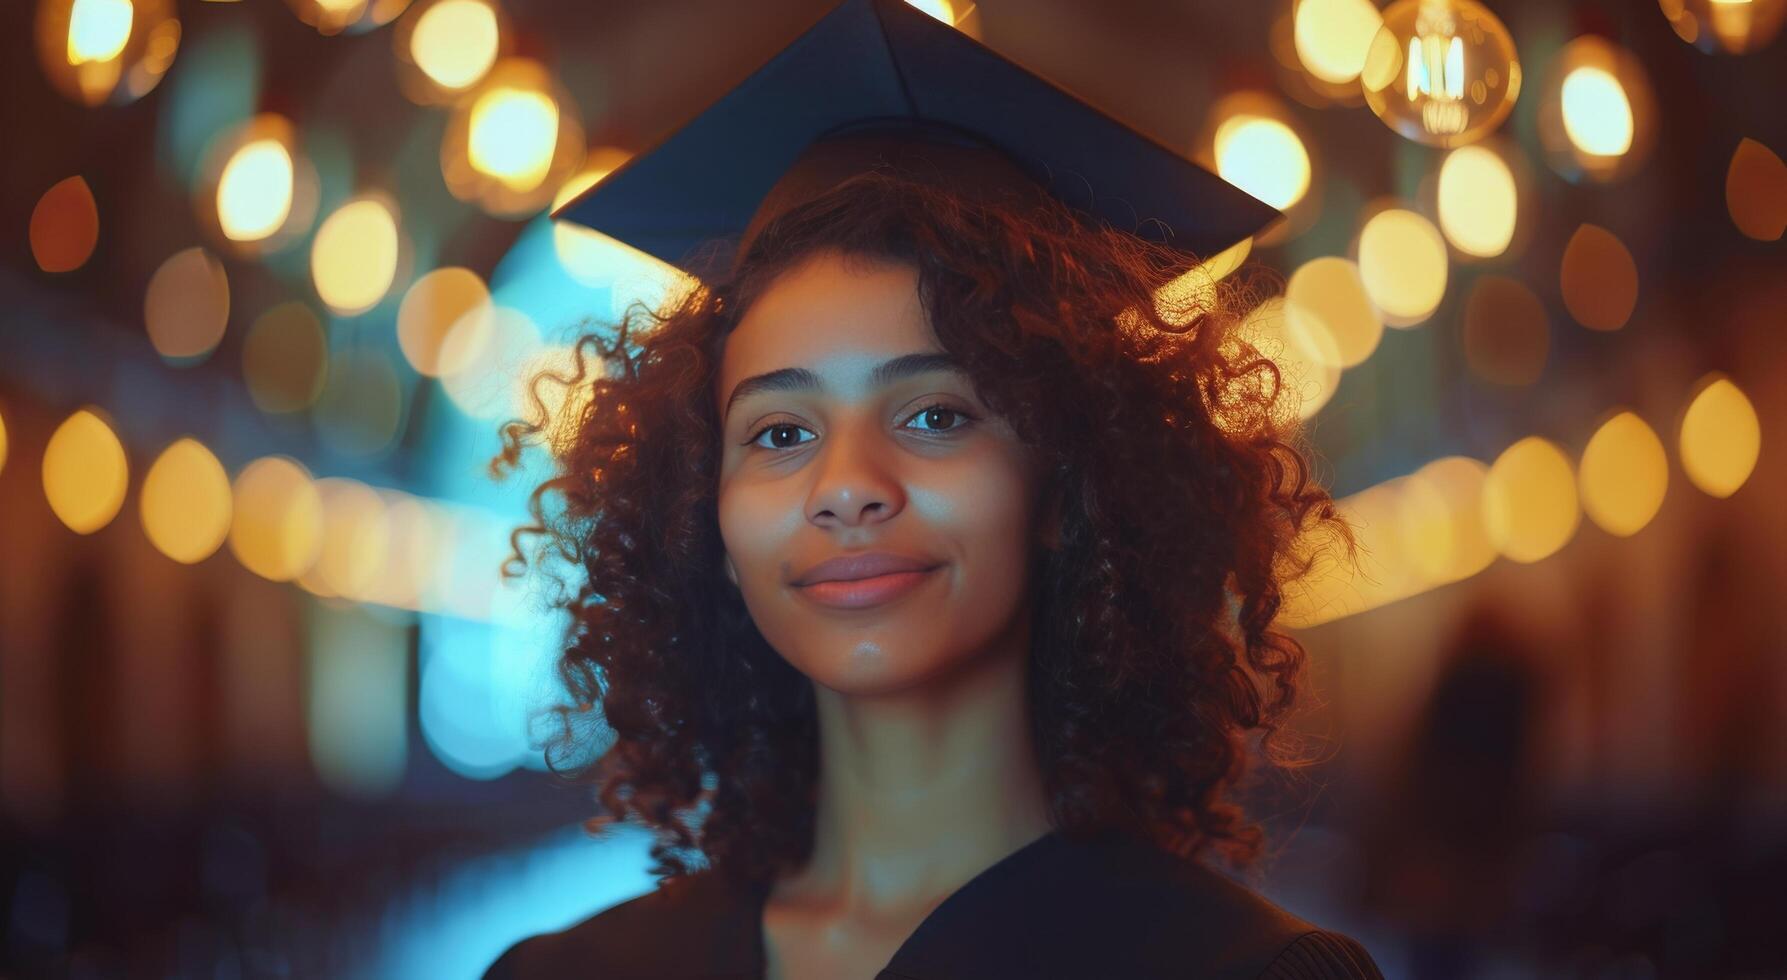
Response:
column 821, row 458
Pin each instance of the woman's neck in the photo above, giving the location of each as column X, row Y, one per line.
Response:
column 920, row 791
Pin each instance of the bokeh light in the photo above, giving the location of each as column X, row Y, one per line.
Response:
column 64, row 226
column 1332, row 37
column 1756, row 191
column 1263, row 157
column 2, row 444
column 513, row 134
column 1599, row 279
column 457, row 710
column 494, row 350
column 1441, row 72
column 1327, row 306
column 453, row 43
column 1530, row 506
column 1721, row 437
column 512, row 141
column 430, row 310
column 276, row 531
column 1402, row 262
column 255, row 195
column 943, row 10
column 1597, row 116
column 1255, row 142
column 352, row 16
column 85, row 472
column 1442, row 520
column 285, row 358
column 187, row 306
column 1507, row 336
column 99, row 52
column 413, row 543
column 468, row 581
column 97, row 30
column 1623, row 475
column 1478, row 200
column 1726, row 26
column 354, row 540
column 254, row 191
column 354, row 258
column 186, row 502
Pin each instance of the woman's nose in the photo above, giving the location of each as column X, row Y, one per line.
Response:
column 856, row 479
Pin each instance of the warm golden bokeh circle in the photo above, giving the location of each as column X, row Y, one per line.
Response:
column 434, row 305
column 512, row 140
column 1403, row 264
column 1530, row 504
column 1479, row 201
column 1253, row 140
column 1327, row 304
column 1597, row 114
column 1720, row 437
column 1623, row 475
column 354, row 258
column 276, row 530
column 85, row 473
column 355, row 540
column 186, row 502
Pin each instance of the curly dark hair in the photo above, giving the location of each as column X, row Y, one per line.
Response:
column 1169, row 445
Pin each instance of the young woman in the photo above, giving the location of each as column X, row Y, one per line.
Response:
column 926, row 566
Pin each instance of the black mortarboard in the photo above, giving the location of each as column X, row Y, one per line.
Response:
column 881, row 71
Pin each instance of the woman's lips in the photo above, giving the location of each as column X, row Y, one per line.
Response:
column 863, row 593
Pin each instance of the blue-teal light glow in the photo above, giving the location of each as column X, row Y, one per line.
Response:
column 457, row 927
column 482, row 683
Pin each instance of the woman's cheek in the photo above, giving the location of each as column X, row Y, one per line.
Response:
column 754, row 525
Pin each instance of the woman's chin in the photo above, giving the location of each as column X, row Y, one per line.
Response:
column 871, row 668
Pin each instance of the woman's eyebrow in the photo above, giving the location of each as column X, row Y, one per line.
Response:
column 803, row 379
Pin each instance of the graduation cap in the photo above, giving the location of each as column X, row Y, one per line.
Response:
column 879, row 82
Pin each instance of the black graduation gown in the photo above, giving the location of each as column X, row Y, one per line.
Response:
column 1055, row 907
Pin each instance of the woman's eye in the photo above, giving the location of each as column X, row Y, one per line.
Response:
column 929, row 411
column 937, row 417
column 776, row 427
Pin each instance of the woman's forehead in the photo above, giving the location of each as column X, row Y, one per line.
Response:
column 838, row 320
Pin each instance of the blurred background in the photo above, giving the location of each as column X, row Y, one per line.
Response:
column 270, row 272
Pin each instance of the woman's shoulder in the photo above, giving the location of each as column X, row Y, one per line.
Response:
column 1213, row 918
column 1322, row 954
column 1109, row 902
column 647, row 935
